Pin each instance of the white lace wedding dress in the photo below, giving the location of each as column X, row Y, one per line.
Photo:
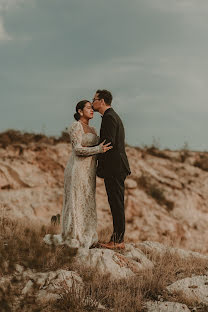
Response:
column 79, row 217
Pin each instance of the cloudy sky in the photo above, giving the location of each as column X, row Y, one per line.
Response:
column 152, row 55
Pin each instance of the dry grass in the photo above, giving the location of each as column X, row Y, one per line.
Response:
column 168, row 269
column 131, row 294
column 121, row 296
column 22, row 244
column 76, row 299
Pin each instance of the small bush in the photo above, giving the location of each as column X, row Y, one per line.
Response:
column 156, row 152
column 202, row 163
column 142, row 181
column 154, row 191
column 184, row 153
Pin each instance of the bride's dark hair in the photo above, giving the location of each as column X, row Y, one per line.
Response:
column 80, row 105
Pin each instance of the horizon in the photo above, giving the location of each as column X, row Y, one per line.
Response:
column 155, row 144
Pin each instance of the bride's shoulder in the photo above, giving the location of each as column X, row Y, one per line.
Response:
column 73, row 126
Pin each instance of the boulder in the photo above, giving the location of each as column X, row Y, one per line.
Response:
column 46, row 285
column 158, row 306
column 160, row 249
column 118, row 264
column 191, row 288
column 50, row 284
column 130, row 184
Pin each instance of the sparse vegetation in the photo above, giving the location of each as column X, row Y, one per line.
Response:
column 154, row 191
column 184, row 153
column 76, row 299
column 202, row 162
column 22, row 244
column 154, row 149
column 156, row 152
column 19, row 137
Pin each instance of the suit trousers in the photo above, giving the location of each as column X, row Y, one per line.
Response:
column 115, row 191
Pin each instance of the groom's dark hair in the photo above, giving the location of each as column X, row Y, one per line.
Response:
column 105, row 95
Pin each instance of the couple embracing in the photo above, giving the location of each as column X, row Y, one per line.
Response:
column 92, row 155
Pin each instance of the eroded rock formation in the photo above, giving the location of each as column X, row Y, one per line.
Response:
column 166, row 195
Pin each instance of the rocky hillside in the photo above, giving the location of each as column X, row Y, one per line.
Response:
column 166, row 195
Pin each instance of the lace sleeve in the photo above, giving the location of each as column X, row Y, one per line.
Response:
column 75, row 133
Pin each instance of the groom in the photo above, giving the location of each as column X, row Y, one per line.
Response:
column 113, row 165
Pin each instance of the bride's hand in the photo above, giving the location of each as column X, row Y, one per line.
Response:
column 105, row 147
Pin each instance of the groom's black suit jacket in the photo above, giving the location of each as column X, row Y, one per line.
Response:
column 114, row 162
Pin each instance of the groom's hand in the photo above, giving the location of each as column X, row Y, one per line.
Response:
column 105, row 147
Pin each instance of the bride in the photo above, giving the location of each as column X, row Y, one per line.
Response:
column 79, row 217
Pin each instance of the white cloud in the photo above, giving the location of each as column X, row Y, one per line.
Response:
column 9, row 4
column 5, row 6
column 3, row 34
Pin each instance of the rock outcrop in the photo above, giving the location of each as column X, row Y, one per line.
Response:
column 160, row 250
column 156, row 306
column 194, row 289
column 166, row 194
column 117, row 265
column 47, row 286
